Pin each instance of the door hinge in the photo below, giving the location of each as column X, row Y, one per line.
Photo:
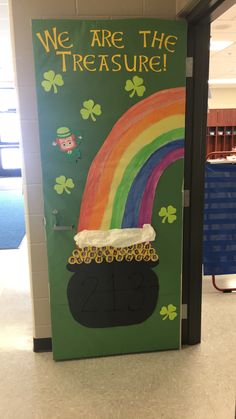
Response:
column 186, row 198
column 44, row 230
column 184, row 312
column 189, row 67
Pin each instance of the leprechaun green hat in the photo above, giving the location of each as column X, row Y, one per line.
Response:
column 63, row 132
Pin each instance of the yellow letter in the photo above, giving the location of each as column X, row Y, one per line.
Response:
column 115, row 62
column 48, row 37
column 103, row 62
column 105, row 37
column 115, row 39
column 63, row 54
column 95, row 37
column 134, row 63
column 170, row 43
column 87, row 63
column 77, row 60
column 62, row 41
column 160, row 40
column 142, row 62
column 155, row 61
column 144, row 33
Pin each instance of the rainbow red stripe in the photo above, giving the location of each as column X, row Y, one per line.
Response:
column 123, row 177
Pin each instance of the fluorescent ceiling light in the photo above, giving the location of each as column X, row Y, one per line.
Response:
column 219, row 45
column 222, row 81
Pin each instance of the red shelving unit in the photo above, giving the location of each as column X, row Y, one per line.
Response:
column 221, row 130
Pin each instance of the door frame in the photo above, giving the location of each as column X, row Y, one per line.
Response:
column 199, row 18
column 199, row 14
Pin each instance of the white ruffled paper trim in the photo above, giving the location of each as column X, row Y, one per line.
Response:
column 116, row 237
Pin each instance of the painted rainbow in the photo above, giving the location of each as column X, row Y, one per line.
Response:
column 124, row 174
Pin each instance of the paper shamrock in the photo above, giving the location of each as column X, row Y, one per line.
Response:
column 135, row 86
column 62, row 184
column 169, row 312
column 90, row 109
column 168, row 214
column 52, row 80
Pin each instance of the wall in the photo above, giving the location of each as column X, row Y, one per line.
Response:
column 185, row 5
column 222, row 98
column 22, row 11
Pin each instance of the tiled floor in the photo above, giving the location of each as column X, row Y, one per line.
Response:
column 197, row 382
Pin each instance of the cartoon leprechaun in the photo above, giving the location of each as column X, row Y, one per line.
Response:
column 67, row 142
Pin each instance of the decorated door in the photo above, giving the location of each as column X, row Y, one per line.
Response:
column 111, row 108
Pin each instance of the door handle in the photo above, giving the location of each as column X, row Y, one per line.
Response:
column 58, row 227
column 62, row 228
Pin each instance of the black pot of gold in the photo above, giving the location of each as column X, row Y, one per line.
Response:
column 113, row 286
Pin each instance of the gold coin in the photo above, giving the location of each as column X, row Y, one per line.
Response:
column 79, row 261
column 119, row 257
column 75, row 253
column 154, row 257
column 72, row 260
column 87, row 260
column 138, row 257
column 99, row 259
column 129, row 257
column 109, row 258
